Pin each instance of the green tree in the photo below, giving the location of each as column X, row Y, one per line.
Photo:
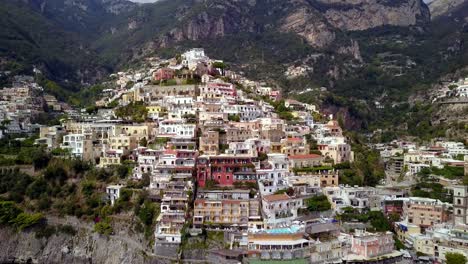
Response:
column 234, row 117
column 147, row 213
column 123, row 171
column 135, row 111
column 55, row 173
column 103, row 228
column 37, row 188
column 455, row 258
column 8, row 212
column 318, row 203
column 143, row 142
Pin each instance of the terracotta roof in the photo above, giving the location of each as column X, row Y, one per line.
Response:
column 307, row 156
column 276, row 197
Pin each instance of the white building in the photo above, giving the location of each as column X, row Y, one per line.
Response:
column 280, row 209
column 192, row 57
column 176, row 128
column 113, row 193
column 76, row 144
column 273, row 177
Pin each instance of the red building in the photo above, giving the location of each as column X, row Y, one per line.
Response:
column 164, row 74
column 275, row 95
column 393, row 207
column 223, row 169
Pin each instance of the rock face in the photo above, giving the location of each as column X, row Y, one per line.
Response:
column 84, row 247
column 307, row 23
column 210, row 20
column 442, row 7
column 366, row 14
column 317, row 21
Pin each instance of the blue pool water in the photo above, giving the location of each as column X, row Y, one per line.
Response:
column 287, row 230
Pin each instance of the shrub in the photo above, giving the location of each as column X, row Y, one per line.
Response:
column 25, row 220
column 8, row 212
column 455, row 258
column 318, row 203
column 147, row 213
column 103, row 228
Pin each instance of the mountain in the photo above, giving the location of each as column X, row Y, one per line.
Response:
column 81, row 40
column 55, row 36
column 443, row 7
column 316, row 21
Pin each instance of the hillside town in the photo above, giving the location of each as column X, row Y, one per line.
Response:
column 233, row 160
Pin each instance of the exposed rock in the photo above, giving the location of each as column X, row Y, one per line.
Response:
column 352, row 50
column 84, row 247
column 315, row 21
column 304, row 22
column 366, row 14
column 216, row 20
column 442, row 7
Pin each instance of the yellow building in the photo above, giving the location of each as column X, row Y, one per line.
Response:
column 424, row 244
column 111, row 158
column 123, row 142
column 404, row 230
column 294, row 146
column 137, row 131
column 155, row 111
column 226, row 208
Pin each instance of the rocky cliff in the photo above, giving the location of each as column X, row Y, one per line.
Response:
column 366, row 14
column 314, row 20
column 124, row 246
column 442, row 7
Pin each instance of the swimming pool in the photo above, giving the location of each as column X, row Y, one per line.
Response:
column 286, row 230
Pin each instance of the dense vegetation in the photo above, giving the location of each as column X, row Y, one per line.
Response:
column 429, row 187
column 135, row 111
column 66, row 186
column 455, row 258
column 377, row 219
column 318, row 203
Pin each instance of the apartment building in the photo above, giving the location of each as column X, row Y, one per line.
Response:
column 366, row 245
column 223, row 168
column 50, row 136
column 305, row 161
column 294, row 146
column 79, row 145
column 425, row 212
column 123, row 142
column 272, row 174
column 176, row 128
column 280, row 209
column 225, row 208
column 209, row 142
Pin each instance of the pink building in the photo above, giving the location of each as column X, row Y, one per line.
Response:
column 218, row 89
column 163, row 74
column 275, row 95
column 370, row 245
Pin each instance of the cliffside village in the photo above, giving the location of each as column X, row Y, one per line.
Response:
column 220, row 156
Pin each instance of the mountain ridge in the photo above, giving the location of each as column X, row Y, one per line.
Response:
column 263, row 36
